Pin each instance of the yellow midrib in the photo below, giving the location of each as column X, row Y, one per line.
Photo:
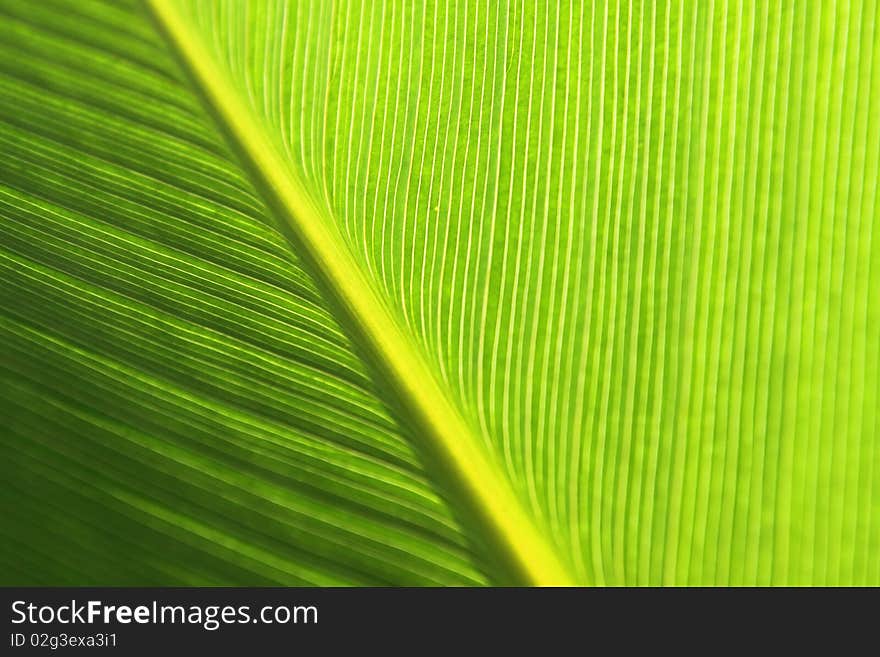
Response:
column 417, row 388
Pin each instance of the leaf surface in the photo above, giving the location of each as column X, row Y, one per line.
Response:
column 483, row 292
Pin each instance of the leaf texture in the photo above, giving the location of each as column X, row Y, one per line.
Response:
column 629, row 244
column 178, row 406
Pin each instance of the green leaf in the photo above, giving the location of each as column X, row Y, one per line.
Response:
column 439, row 293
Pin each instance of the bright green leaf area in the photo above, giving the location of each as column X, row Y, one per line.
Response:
column 439, row 293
